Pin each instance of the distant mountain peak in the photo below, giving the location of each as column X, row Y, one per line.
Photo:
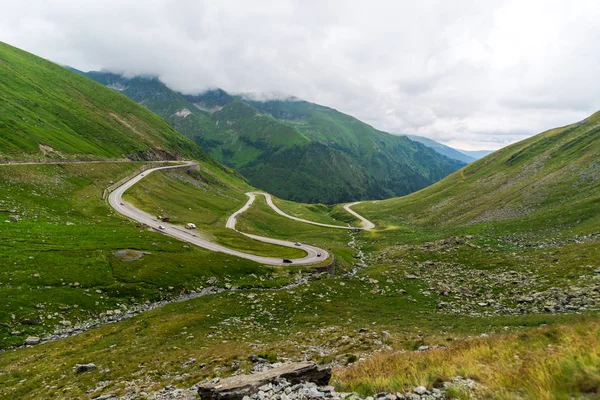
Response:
column 210, row 100
column 476, row 154
column 447, row 151
column 292, row 148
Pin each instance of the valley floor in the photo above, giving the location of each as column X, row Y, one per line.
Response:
column 479, row 302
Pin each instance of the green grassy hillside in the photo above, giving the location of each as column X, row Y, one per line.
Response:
column 67, row 252
column 61, row 259
column 506, row 248
column 549, row 182
column 294, row 149
column 558, row 362
column 384, row 155
column 188, row 197
column 418, row 280
column 47, row 111
column 155, row 96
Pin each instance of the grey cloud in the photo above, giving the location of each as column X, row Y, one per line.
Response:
column 466, row 73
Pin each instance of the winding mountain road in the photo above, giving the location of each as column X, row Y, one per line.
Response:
column 314, row 254
column 367, row 225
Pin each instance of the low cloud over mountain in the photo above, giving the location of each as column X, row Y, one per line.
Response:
column 468, row 74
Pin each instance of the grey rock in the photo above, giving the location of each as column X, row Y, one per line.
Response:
column 255, row 359
column 32, row 340
column 212, row 280
column 311, row 393
column 81, row 368
column 236, row 387
column 327, row 389
column 420, row 390
column 266, row 388
column 525, row 299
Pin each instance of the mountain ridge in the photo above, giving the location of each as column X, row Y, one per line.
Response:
column 296, row 150
column 477, row 154
column 450, row 282
column 443, row 149
column 551, row 178
column 49, row 112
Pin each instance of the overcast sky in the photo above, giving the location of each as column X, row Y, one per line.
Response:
column 470, row 74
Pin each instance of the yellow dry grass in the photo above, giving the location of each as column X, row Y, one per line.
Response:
column 555, row 362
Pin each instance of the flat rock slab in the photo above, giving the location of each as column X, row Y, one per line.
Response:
column 236, row 387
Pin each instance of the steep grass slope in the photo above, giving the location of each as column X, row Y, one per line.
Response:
column 545, row 363
column 399, row 287
column 549, row 181
column 67, row 256
column 433, row 273
column 48, row 111
column 370, row 163
column 517, row 232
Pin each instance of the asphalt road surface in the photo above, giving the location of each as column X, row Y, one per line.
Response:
column 366, row 224
column 115, row 199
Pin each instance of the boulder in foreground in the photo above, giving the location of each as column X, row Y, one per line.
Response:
column 236, row 387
